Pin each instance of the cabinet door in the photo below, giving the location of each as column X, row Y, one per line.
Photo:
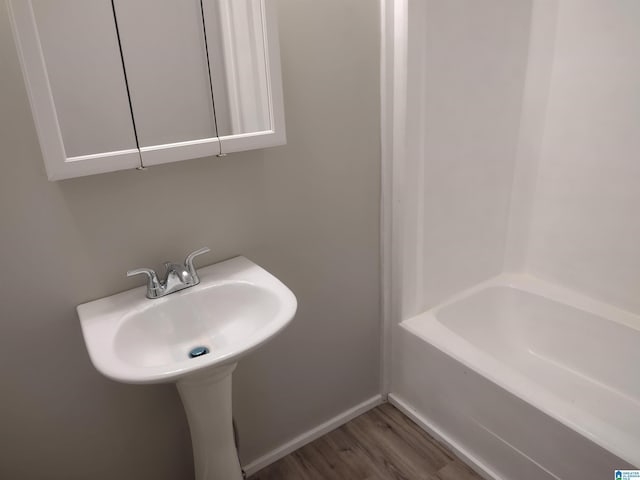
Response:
column 165, row 57
column 244, row 57
column 76, row 85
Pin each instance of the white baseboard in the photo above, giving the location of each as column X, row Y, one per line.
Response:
column 479, row 467
column 311, row 435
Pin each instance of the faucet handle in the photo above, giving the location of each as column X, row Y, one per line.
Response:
column 139, row 271
column 188, row 262
column 153, row 283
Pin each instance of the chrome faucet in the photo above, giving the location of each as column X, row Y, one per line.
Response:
column 177, row 276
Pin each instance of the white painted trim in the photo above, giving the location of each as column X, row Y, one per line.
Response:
column 94, row 156
column 105, row 162
column 253, row 140
column 386, row 148
column 174, row 152
column 208, row 147
column 479, row 467
column 394, row 17
column 274, row 73
column 311, row 435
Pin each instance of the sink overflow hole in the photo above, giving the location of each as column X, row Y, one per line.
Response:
column 198, row 352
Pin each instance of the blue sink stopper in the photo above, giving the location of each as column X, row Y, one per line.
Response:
column 198, row 352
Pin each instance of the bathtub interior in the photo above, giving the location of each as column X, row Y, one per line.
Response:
column 532, row 332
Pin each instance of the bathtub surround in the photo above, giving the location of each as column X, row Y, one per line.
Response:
column 451, row 119
column 307, row 211
column 585, row 227
column 537, row 175
column 535, row 97
column 463, row 117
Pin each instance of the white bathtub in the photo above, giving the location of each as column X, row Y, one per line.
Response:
column 526, row 380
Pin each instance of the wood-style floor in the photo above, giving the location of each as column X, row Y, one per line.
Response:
column 379, row 445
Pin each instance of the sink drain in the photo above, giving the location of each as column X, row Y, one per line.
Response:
column 198, row 352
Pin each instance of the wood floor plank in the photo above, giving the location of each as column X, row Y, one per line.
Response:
column 351, row 453
column 306, row 469
column 382, row 444
column 413, row 434
column 457, row 471
column 288, row 467
column 328, row 462
column 391, row 443
column 374, row 466
column 409, row 434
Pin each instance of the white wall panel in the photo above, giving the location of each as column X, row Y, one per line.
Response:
column 467, row 62
column 585, row 227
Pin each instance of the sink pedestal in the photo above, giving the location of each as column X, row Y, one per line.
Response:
column 206, row 397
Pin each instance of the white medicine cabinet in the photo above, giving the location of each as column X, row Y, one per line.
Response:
column 117, row 84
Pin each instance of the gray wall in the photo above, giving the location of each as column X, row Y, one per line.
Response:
column 308, row 212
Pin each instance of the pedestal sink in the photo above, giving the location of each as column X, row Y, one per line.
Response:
column 237, row 307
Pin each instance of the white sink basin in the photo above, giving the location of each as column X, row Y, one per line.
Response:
column 236, row 307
